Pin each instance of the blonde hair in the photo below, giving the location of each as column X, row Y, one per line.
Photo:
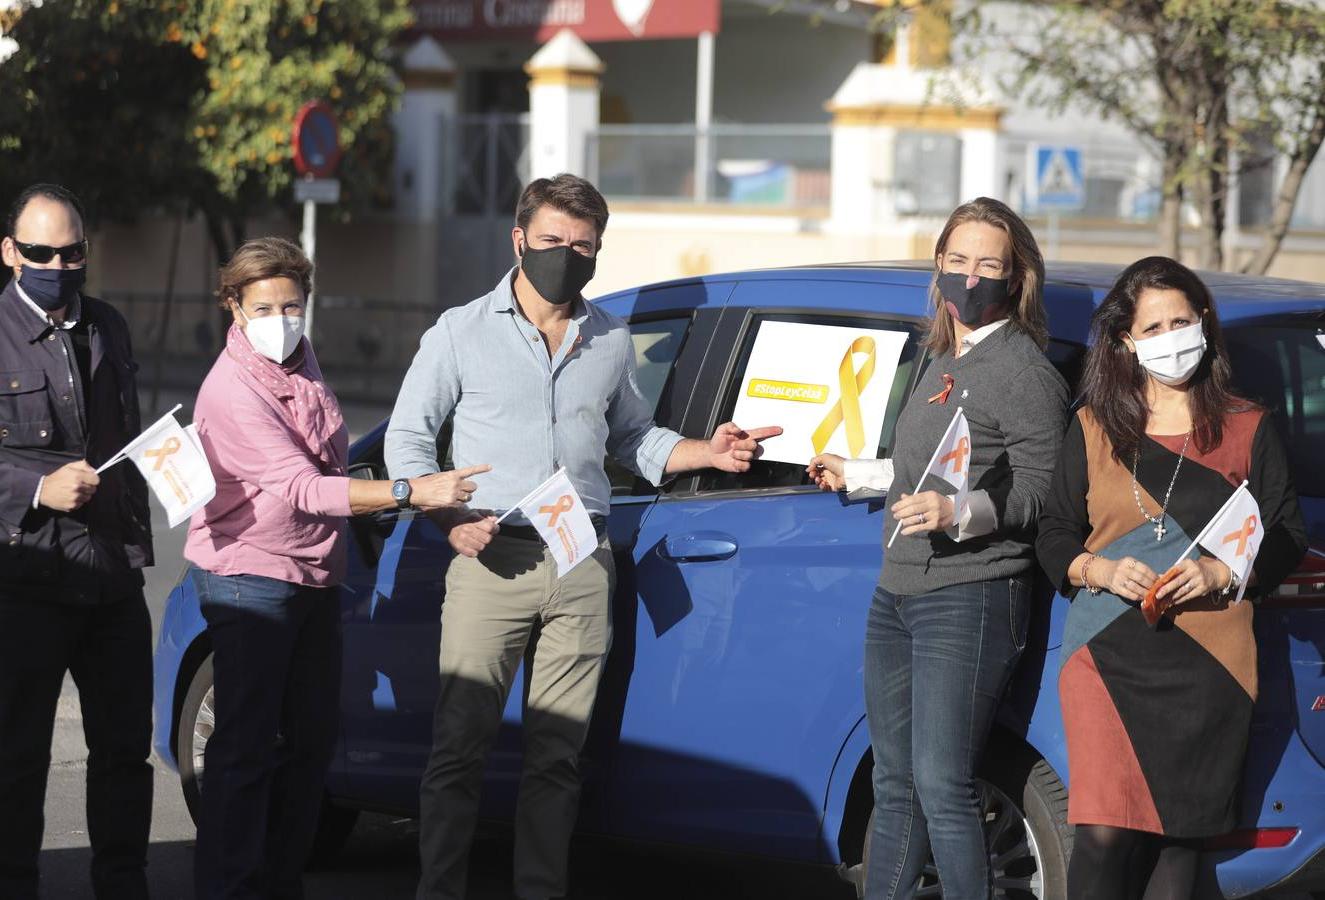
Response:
column 1026, row 276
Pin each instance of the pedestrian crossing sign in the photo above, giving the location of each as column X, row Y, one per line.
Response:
column 1057, row 177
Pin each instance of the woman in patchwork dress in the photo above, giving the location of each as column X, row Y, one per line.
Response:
column 1157, row 718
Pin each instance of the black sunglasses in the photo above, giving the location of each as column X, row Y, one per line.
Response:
column 44, row 253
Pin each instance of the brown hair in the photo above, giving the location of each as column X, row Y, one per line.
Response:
column 1026, row 276
column 258, row 260
column 1113, row 385
column 571, row 194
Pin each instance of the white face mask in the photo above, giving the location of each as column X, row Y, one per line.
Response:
column 275, row 337
column 1172, row 357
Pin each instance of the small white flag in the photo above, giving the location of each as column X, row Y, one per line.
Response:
column 173, row 463
column 1234, row 535
column 951, row 463
column 556, row 510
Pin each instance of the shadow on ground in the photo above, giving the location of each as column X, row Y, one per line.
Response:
column 380, row 862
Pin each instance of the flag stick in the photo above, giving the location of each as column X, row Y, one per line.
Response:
column 531, row 495
column 933, row 459
column 1213, row 519
column 129, row 447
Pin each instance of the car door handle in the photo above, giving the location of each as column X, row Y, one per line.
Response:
column 701, row 546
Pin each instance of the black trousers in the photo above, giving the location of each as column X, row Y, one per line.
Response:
column 276, row 664
column 108, row 650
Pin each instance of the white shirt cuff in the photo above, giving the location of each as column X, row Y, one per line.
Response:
column 36, row 498
column 867, row 477
column 978, row 518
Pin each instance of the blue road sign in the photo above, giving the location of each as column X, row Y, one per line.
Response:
column 1058, row 179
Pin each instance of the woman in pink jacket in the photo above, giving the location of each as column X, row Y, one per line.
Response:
column 267, row 555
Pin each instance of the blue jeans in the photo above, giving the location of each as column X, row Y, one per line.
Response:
column 936, row 666
column 276, row 663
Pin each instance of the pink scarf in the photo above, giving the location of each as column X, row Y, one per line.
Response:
column 308, row 405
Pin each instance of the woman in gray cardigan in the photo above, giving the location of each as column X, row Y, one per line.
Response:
column 950, row 612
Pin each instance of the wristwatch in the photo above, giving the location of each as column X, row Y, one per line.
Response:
column 401, row 492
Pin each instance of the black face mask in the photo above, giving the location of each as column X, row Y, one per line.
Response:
column 559, row 274
column 975, row 303
column 52, row 289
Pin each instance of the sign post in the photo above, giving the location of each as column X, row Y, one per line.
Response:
column 1056, row 181
column 316, row 139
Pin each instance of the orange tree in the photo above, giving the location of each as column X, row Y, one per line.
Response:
column 262, row 61
column 141, row 105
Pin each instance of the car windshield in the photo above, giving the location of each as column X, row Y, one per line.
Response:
column 1282, row 365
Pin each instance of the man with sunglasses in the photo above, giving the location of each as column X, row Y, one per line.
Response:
column 71, row 548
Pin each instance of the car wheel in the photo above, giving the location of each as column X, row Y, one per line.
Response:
column 1026, row 831
column 197, row 717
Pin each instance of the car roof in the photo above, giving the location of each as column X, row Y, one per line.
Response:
column 1238, row 296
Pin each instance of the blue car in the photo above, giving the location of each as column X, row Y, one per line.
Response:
column 731, row 714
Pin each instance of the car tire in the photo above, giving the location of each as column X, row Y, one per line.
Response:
column 1025, row 806
column 196, row 719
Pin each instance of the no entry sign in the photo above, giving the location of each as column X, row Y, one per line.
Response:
column 316, row 140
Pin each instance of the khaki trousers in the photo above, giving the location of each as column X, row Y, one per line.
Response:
column 504, row 606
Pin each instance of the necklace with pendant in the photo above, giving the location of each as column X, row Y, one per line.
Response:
column 1160, row 530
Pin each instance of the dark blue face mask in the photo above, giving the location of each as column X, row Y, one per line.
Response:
column 52, row 289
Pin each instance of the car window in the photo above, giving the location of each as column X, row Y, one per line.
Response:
column 657, row 344
column 369, row 463
column 1283, row 367
column 770, row 474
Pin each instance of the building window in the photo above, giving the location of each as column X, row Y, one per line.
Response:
column 927, row 173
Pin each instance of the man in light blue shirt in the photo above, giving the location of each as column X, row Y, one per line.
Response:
column 535, row 379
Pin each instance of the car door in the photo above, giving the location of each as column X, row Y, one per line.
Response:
column 753, row 591
column 395, row 588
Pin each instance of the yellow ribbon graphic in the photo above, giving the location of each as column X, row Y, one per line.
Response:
column 165, row 451
column 565, row 504
column 847, row 408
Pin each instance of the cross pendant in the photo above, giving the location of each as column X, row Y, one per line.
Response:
column 1160, row 531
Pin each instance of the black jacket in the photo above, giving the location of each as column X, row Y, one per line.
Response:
column 48, row 421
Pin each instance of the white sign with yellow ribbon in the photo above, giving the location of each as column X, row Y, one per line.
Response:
column 826, row 385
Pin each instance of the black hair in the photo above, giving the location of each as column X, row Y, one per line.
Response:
column 56, row 192
column 1114, row 384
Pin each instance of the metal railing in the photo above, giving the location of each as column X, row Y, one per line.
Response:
column 364, row 345
column 782, row 167
column 1122, row 181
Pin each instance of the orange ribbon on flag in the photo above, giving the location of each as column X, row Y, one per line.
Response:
column 564, row 504
column 162, row 453
column 958, row 456
column 1247, row 530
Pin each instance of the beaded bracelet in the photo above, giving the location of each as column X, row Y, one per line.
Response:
column 1085, row 577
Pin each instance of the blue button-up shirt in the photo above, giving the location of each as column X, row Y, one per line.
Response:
column 522, row 412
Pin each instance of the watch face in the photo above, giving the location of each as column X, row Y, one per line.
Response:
column 400, row 490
